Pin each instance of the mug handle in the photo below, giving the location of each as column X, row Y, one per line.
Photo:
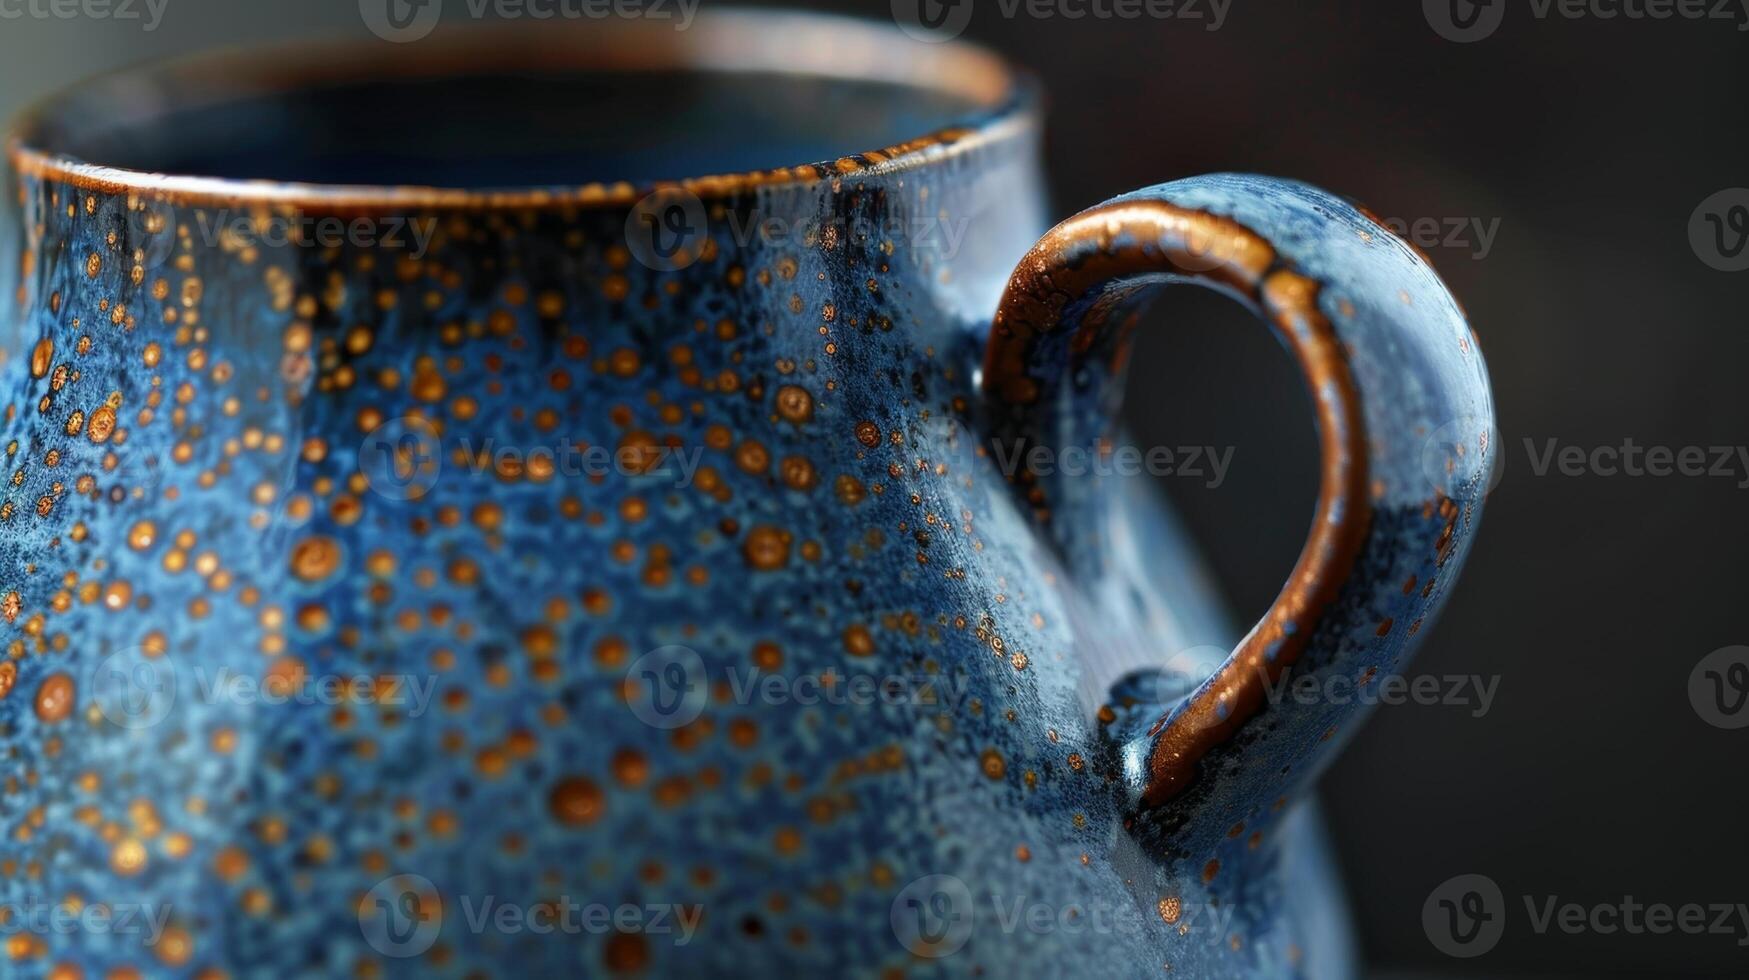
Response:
column 1405, row 423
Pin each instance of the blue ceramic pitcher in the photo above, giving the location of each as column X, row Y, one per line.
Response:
column 449, row 532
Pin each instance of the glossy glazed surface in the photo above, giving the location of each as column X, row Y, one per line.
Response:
column 569, row 571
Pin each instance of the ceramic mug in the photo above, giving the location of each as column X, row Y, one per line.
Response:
column 447, row 533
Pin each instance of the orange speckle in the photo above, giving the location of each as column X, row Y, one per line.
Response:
column 993, row 764
column 625, row 952
column 54, row 698
column 175, row 946
column 231, row 863
column 630, row 767
column 766, row 548
column 858, row 642
column 576, row 801
column 141, row 535
column 41, row 357
column 610, row 651
column 128, row 857
column 102, row 425
column 794, row 404
column 315, row 558
column 767, row 655
column 849, row 489
column 540, row 642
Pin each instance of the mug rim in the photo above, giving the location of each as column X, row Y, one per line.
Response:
column 1004, row 103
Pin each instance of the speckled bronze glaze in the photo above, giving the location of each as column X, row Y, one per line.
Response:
column 354, row 593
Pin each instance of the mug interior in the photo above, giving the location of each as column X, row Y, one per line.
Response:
column 507, row 129
column 518, row 109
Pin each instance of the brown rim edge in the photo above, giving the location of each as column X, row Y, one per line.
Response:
column 767, row 41
column 1153, row 237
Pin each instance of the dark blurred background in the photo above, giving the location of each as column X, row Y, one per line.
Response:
column 1569, row 154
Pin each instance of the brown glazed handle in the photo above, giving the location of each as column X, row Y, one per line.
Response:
column 1405, row 425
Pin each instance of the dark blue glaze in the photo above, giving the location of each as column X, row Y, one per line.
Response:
column 250, row 465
